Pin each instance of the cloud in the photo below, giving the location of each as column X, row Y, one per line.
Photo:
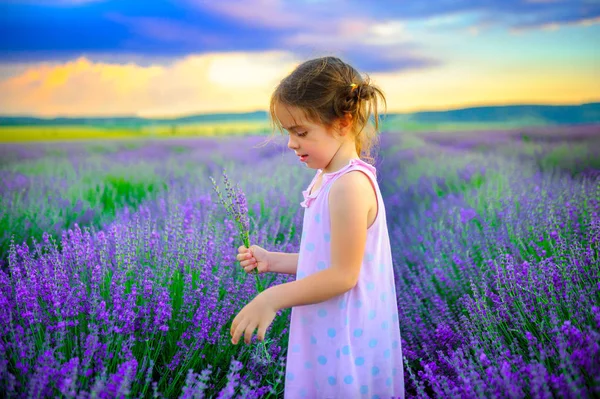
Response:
column 310, row 14
column 263, row 13
column 544, row 1
column 242, row 81
column 56, row 3
column 199, row 83
column 35, row 31
column 370, row 46
column 315, row 28
column 555, row 25
column 168, row 31
column 506, row 14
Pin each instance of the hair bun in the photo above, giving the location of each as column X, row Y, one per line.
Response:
column 360, row 91
column 347, row 99
column 364, row 91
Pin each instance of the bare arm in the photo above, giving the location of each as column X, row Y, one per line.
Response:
column 349, row 210
column 281, row 262
column 315, row 288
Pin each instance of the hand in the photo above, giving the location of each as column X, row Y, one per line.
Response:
column 253, row 257
column 256, row 314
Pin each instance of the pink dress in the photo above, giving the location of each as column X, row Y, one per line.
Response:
column 348, row 346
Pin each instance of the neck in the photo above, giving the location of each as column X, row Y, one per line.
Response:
column 342, row 156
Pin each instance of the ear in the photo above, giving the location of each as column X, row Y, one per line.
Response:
column 345, row 124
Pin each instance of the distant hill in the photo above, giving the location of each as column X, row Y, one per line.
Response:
column 536, row 114
column 550, row 114
column 132, row 121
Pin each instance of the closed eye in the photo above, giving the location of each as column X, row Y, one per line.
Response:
column 299, row 134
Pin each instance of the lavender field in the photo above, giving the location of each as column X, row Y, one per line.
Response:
column 118, row 275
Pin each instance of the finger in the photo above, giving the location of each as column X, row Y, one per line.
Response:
column 234, row 324
column 248, row 269
column 262, row 332
column 241, row 248
column 238, row 332
column 249, row 331
column 241, row 257
column 245, row 263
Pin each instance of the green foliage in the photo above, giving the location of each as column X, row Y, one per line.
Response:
column 575, row 158
column 115, row 192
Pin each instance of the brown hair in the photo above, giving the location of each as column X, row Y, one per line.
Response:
column 327, row 89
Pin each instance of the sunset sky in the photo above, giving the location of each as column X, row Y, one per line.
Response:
column 171, row 58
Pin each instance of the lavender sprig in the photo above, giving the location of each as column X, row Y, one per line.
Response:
column 237, row 207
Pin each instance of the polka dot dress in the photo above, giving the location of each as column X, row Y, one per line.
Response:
column 348, row 346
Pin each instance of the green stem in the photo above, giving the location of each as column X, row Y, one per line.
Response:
column 258, row 283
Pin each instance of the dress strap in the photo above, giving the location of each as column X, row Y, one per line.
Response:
column 328, row 178
column 354, row 164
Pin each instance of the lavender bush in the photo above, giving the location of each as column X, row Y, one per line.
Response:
column 497, row 274
column 150, row 292
column 496, row 259
column 48, row 187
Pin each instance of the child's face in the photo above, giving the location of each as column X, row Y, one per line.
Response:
column 308, row 138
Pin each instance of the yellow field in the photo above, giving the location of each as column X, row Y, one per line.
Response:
column 51, row 133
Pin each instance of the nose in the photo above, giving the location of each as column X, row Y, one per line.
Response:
column 291, row 144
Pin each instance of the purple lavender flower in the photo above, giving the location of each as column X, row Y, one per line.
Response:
column 236, row 206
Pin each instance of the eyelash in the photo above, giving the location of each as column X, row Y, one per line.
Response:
column 302, row 134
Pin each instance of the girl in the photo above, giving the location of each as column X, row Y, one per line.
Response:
column 344, row 337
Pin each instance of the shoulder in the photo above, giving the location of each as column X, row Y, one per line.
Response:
column 355, row 182
column 351, row 190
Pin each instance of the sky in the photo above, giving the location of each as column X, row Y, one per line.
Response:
column 158, row 58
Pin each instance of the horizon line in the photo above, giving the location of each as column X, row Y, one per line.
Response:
column 397, row 112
